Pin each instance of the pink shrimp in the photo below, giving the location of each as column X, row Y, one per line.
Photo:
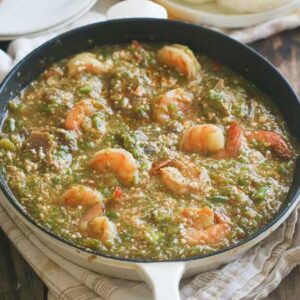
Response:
column 92, row 223
column 103, row 229
column 181, row 58
column 205, row 138
column 204, row 227
column 210, row 236
column 95, row 211
column 180, row 178
column 119, row 161
column 208, row 138
column 81, row 195
column 273, row 140
column 87, row 62
column 177, row 98
column 77, row 114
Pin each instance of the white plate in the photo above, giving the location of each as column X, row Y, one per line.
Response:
column 26, row 17
column 210, row 14
column 57, row 28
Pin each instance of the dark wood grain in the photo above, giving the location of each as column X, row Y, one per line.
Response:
column 18, row 280
column 283, row 50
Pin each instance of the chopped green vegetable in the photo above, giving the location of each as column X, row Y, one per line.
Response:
column 56, row 179
column 98, row 122
column 47, row 109
column 155, row 237
column 283, row 170
column 216, row 95
column 244, row 222
column 89, row 145
column 112, row 215
column 172, row 107
column 126, row 236
column 161, row 217
column 16, row 105
column 7, row 145
column 243, row 181
column 133, row 142
column 91, row 243
column 172, row 228
column 143, row 111
column 11, row 123
column 62, row 155
column 85, row 89
column 219, row 199
column 146, row 165
column 261, row 194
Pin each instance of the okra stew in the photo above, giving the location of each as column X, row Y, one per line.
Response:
column 147, row 151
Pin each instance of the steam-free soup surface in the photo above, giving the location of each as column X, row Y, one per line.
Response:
column 147, row 151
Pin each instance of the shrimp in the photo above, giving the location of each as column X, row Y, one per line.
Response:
column 92, row 223
column 95, row 211
column 81, row 195
column 199, row 218
column 181, row 58
column 77, row 114
column 189, row 179
column 203, row 138
column 103, row 229
column 119, row 161
column 273, row 140
column 178, row 184
column 234, row 141
column 176, row 99
column 209, row 138
column 76, row 117
column 205, row 227
column 211, row 236
column 86, row 62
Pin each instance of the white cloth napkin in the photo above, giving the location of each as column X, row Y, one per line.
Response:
column 252, row 277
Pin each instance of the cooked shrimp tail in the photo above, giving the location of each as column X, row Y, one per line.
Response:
column 273, row 140
column 234, row 141
column 157, row 166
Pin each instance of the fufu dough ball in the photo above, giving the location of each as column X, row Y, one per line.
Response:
column 198, row 1
column 251, row 6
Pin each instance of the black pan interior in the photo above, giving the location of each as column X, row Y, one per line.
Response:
column 229, row 52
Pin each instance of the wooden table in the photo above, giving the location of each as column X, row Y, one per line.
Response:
column 18, row 281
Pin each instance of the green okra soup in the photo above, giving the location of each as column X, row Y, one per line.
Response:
column 147, row 151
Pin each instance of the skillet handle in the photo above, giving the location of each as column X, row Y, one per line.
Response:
column 163, row 278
